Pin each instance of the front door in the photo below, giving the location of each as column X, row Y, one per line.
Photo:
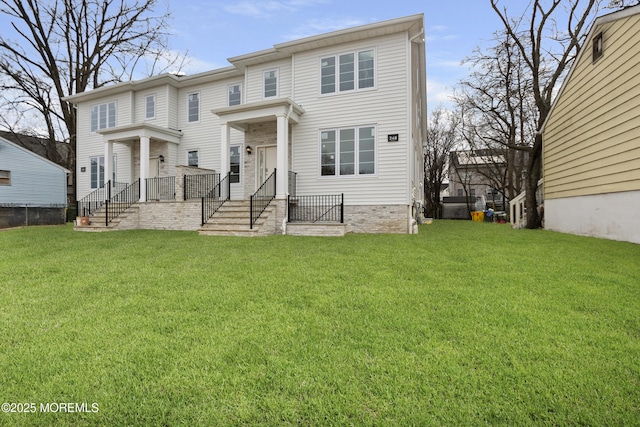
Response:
column 154, row 167
column 267, row 160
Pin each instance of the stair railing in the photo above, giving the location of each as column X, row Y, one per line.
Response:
column 121, row 201
column 261, row 198
column 214, row 199
column 93, row 201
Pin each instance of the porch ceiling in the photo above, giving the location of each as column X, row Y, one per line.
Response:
column 135, row 131
column 240, row 116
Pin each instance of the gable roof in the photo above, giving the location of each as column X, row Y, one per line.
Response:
column 604, row 19
column 278, row 51
column 36, row 144
column 31, row 153
column 362, row 32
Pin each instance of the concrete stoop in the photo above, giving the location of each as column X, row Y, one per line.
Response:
column 232, row 219
column 97, row 221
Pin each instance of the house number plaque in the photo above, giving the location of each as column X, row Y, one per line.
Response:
column 394, row 137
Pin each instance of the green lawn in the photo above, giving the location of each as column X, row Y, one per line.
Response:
column 464, row 324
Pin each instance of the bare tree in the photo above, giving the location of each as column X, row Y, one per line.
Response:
column 441, row 139
column 498, row 114
column 63, row 47
column 547, row 49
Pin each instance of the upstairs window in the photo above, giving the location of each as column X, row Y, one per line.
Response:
column 597, row 47
column 348, row 151
column 347, row 72
column 150, row 107
column 193, row 107
column 270, row 83
column 103, row 116
column 328, row 75
column 235, row 95
column 5, row 177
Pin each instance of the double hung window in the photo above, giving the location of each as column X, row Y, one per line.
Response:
column 193, row 107
column 270, row 83
column 150, row 107
column 235, row 95
column 192, row 158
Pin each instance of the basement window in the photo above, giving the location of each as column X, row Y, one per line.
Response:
column 5, row 177
column 597, row 47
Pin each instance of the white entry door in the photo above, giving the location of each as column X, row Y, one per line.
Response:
column 267, row 161
column 154, row 167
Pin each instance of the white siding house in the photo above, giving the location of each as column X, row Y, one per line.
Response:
column 33, row 190
column 342, row 113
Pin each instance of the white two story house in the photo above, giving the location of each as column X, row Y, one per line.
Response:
column 321, row 130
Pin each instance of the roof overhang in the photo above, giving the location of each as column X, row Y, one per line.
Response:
column 240, row 116
column 362, row 32
column 595, row 28
column 166, row 79
column 137, row 130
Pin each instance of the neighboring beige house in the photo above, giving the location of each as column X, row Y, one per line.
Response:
column 341, row 114
column 592, row 136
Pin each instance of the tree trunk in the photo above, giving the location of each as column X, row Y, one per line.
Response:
column 534, row 172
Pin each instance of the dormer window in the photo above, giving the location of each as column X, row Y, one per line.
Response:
column 597, row 47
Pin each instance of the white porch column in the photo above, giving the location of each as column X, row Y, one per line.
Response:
column 282, row 173
column 144, row 166
column 225, row 136
column 108, row 161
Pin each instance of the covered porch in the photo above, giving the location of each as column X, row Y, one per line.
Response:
column 267, row 127
column 150, row 147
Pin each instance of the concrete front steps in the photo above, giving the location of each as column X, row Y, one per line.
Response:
column 232, row 219
column 97, row 221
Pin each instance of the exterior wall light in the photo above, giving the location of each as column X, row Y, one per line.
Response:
column 249, row 149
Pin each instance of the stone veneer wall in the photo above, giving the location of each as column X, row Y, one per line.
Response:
column 163, row 215
column 392, row 219
column 181, row 171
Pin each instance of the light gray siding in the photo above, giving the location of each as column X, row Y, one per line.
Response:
column 385, row 107
column 255, row 81
column 34, row 181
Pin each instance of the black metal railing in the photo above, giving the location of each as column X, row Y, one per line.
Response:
column 121, row 201
column 162, row 188
column 212, row 201
column 292, row 183
column 198, row 186
column 327, row 208
column 261, row 198
column 93, row 201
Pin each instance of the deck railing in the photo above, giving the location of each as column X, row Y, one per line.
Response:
column 198, row 186
column 162, row 188
column 215, row 198
column 261, row 198
column 121, row 201
column 325, row 208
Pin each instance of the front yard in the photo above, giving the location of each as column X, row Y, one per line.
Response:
column 464, row 324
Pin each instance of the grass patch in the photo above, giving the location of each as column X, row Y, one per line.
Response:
column 464, row 324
